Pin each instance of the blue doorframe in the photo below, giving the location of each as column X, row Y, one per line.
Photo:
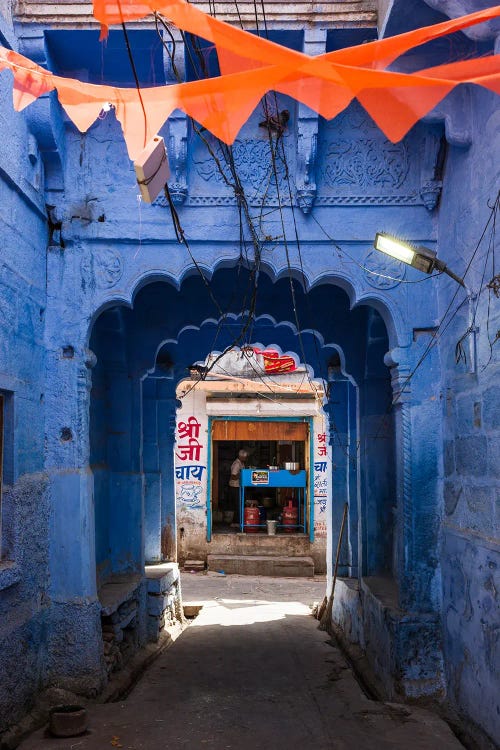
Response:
column 310, row 488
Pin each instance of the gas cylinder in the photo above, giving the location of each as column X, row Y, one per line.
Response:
column 290, row 517
column 252, row 516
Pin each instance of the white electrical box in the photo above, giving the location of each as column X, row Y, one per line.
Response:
column 151, row 169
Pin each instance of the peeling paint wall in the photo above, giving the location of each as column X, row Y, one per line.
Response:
column 24, row 580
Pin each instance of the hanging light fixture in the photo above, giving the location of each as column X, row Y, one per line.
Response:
column 421, row 258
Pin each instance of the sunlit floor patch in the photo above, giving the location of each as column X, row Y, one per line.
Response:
column 230, row 612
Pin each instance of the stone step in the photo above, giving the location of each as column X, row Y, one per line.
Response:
column 262, row 565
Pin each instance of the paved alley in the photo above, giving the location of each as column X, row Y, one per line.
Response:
column 252, row 672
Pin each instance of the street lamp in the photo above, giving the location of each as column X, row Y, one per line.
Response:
column 419, row 257
column 425, row 260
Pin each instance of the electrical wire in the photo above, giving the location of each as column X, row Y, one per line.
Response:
column 236, row 186
column 239, row 192
column 279, row 142
column 134, row 71
column 491, row 287
column 442, row 327
column 344, row 252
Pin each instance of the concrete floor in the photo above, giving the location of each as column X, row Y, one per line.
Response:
column 253, row 672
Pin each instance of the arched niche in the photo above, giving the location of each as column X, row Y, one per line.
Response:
column 144, row 347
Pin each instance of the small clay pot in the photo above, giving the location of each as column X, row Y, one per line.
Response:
column 68, row 721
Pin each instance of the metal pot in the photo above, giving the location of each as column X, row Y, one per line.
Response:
column 291, row 466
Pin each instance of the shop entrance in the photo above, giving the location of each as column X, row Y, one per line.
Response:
column 269, row 446
column 269, row 500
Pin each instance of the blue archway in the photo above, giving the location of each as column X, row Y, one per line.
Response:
column 144, row 350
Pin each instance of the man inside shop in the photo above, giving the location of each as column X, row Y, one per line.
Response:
column 234, row 481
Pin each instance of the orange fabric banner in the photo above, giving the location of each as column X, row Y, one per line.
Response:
column 251, row 66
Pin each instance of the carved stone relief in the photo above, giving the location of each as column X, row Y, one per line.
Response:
column 348, row 163
column 454, row 8
column 366, row 163
column 360, row 166
column 254, row 163
column 382, row 272
column 102, row 268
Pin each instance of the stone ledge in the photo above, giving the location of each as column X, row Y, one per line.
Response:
column 377, row 633
column 158, row 604
column 117, row 591
column 161, row 577
column 264, row 565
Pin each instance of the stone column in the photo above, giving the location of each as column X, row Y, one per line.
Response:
column 152, row 472
column 126, row 479
column 74, row 648
column 418, row 460
column 337, row 410
column 167, row 417
column 416, row 649
column 159, row 422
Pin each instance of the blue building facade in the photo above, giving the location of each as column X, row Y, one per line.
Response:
column 103, row 311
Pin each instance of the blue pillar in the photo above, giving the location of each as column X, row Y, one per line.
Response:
column 418, row 451
column 159, row 407
column 167, row 411
column 152, row 473
column 126, row 479
column 338, row 412
column 74, row 650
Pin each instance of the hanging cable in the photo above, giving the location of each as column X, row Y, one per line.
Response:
column 134, row 71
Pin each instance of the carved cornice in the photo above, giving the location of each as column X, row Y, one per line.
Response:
column 412, row 199
column 278, row 14
column 431, row 182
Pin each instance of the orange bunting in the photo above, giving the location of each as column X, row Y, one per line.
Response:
column 250, row 67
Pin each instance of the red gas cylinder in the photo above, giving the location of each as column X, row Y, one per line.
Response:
column 252, row 516
column 290, row 517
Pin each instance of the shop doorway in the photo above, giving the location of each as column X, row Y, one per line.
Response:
column 262, row 454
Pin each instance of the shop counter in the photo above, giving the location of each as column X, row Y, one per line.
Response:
column 265, row 478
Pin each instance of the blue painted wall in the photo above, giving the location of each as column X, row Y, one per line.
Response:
column 24, row 579
column 96, row 332
column 471, row 412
